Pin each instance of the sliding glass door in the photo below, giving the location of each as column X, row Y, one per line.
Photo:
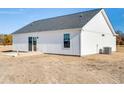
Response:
column 32, row 43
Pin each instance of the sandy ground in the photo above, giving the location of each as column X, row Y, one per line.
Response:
column 44, row 68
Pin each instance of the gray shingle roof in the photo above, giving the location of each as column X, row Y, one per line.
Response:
column 76, row 20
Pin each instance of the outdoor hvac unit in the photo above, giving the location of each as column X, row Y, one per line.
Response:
column 107, row 50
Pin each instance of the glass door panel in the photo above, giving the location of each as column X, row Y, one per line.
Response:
column 30, row 43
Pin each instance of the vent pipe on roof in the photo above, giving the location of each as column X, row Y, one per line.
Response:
column 81, row 18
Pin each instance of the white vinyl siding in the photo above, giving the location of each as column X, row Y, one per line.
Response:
column 50, row 41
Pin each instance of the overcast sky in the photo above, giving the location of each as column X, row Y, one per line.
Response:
column 15, row 18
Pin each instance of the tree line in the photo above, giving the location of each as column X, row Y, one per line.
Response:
column 5, row 39
column 120, row 37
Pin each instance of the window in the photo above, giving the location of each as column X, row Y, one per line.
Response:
column 66, row 40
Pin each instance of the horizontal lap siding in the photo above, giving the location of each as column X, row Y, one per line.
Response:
column 92, row 42
column 91, row 36
column 50, row 41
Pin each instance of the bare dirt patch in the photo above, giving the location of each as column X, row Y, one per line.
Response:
column 46, row 68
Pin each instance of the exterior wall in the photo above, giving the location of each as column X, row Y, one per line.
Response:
column 50, row 41
column 91, row 36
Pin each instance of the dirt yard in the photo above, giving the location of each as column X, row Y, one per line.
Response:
column 53, row 69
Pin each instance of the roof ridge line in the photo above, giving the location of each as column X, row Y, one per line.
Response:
column 67, row 15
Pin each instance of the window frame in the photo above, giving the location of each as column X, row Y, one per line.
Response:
column 66, row 39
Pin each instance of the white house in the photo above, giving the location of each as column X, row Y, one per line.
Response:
column 80, row 34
